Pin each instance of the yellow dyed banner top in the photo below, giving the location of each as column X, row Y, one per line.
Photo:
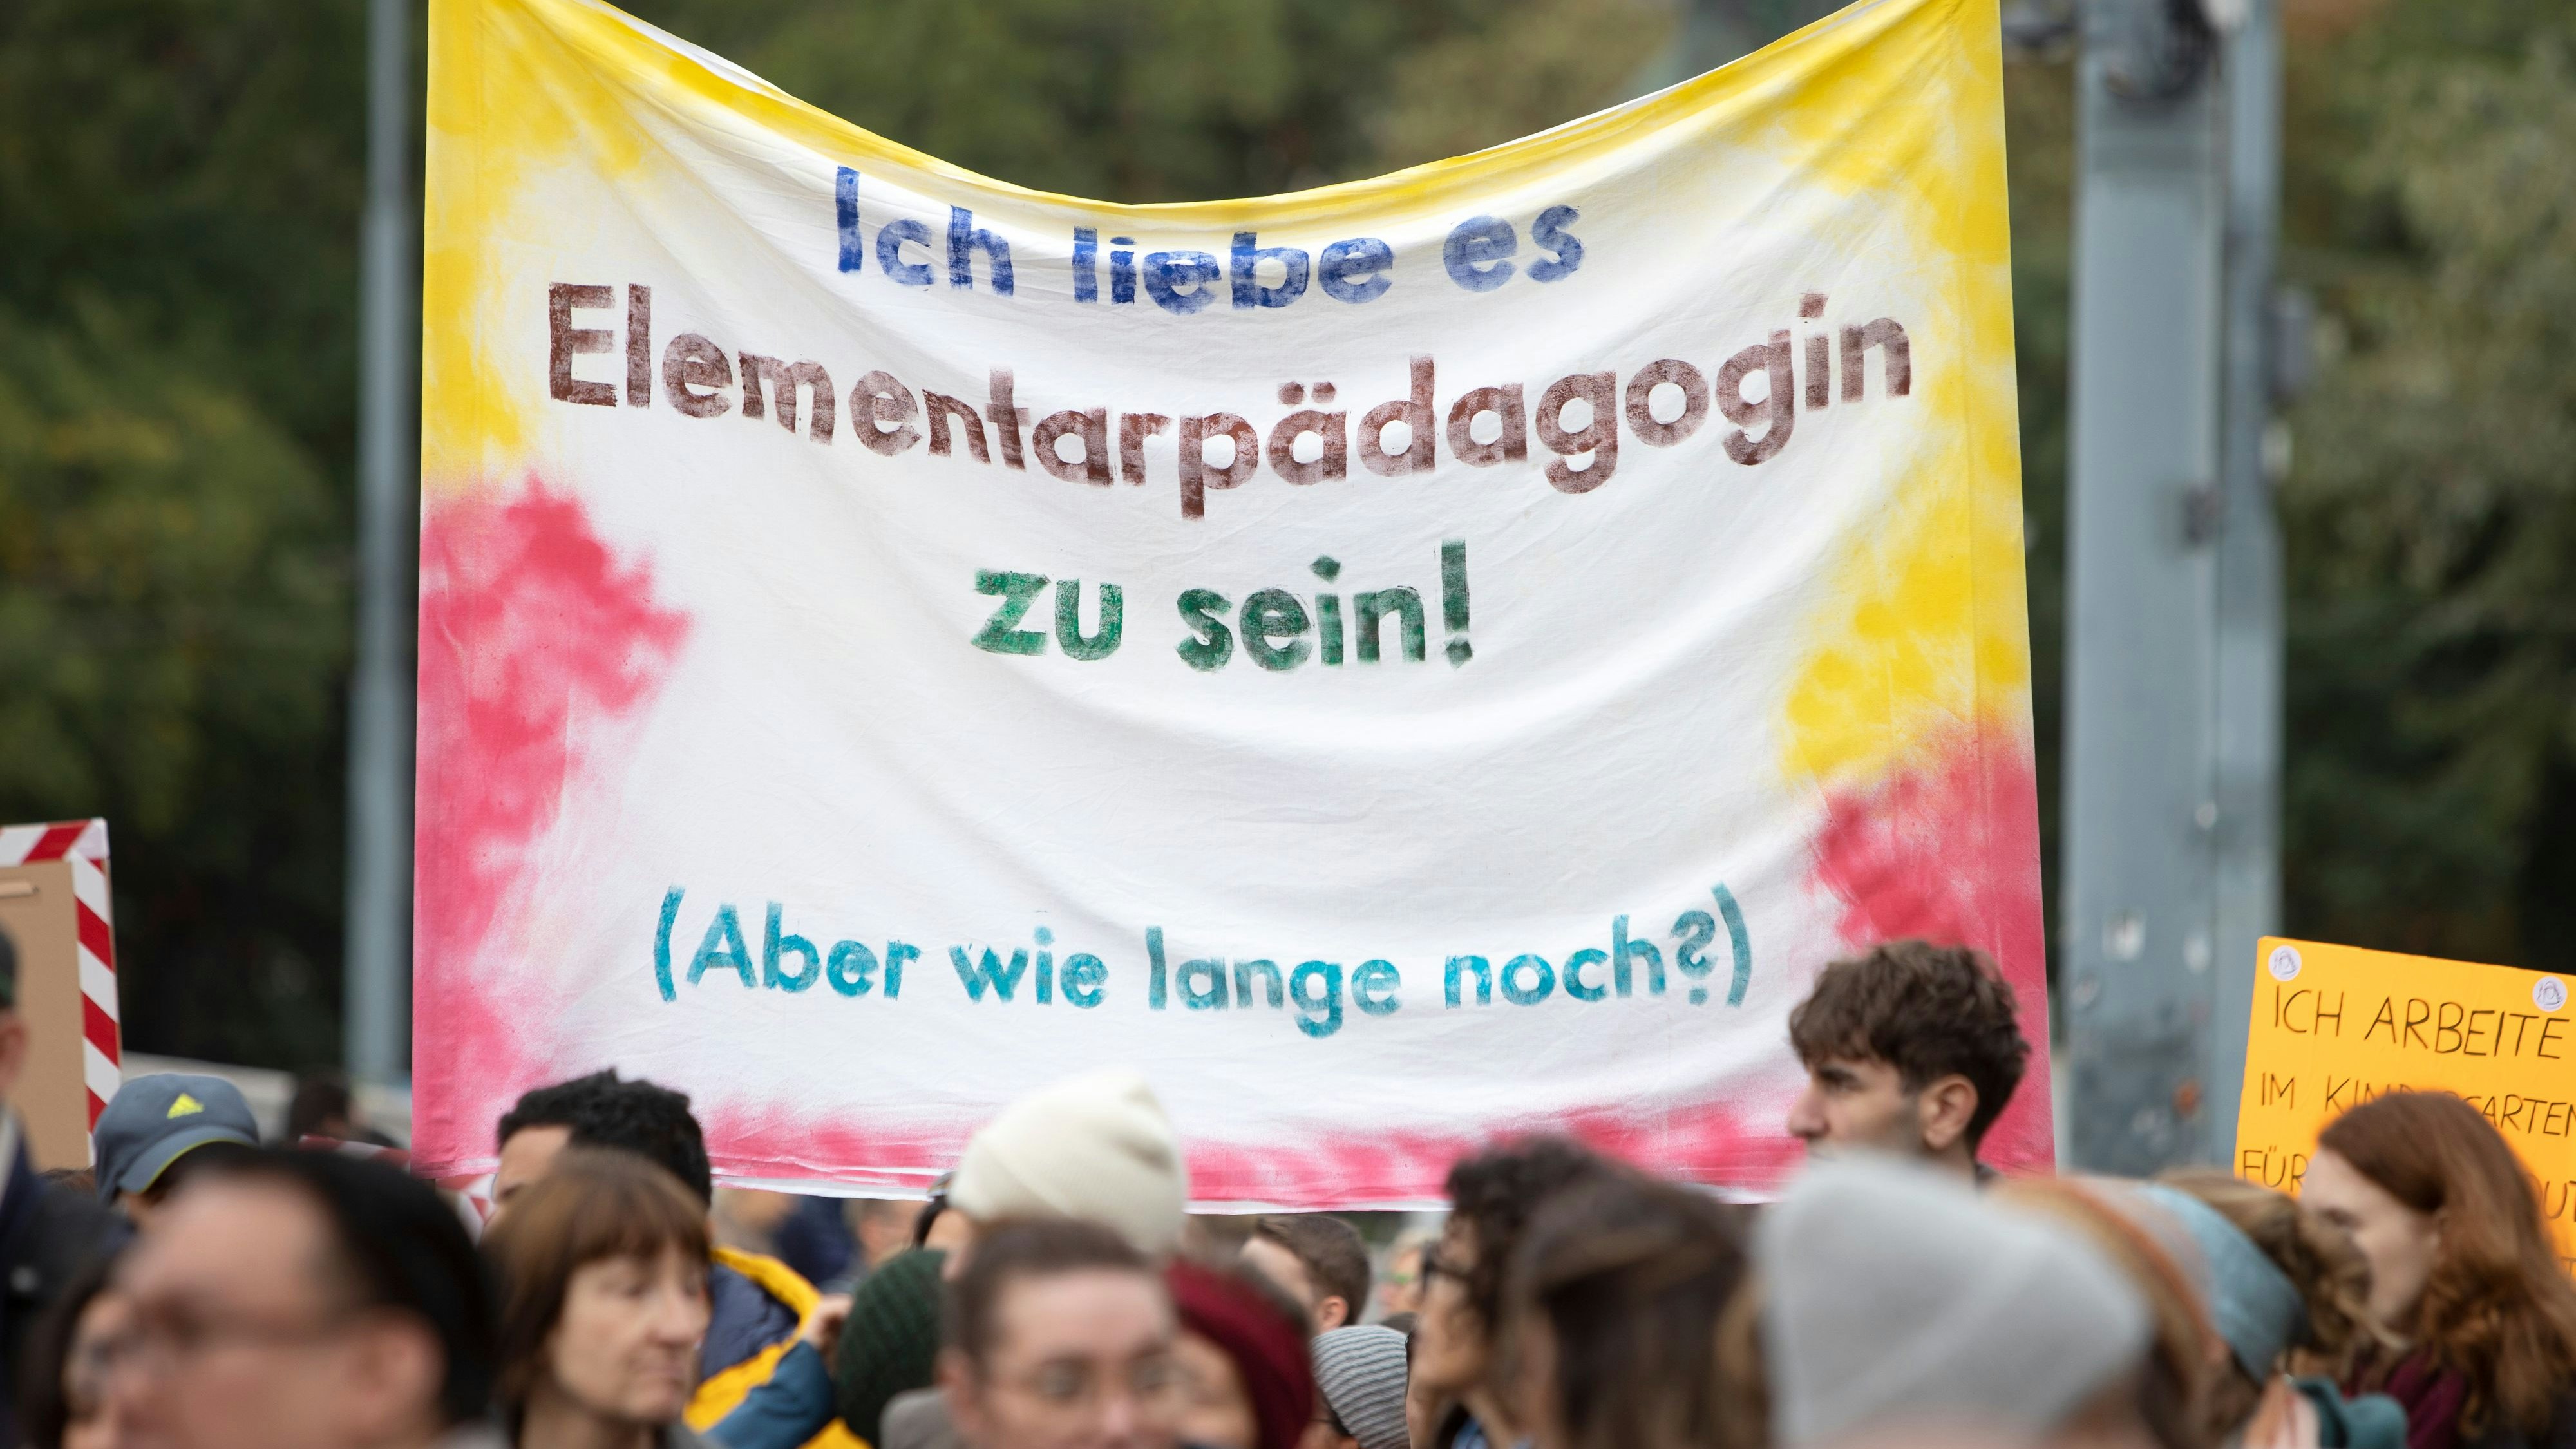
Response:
column 1392, row 665
column 2335, row 1026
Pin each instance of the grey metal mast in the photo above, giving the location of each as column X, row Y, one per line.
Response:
column 378, row 964
column 2170, row 849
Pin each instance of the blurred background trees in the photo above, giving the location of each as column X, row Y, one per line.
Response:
column 179, row 188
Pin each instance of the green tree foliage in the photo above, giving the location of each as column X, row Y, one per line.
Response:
column 178, row 183
column 1182, row 100
column 2431, row 513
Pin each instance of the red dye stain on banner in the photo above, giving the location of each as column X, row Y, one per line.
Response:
column 1947, row 849
column 532, row 636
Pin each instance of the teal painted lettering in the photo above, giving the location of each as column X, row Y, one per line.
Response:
column 773, row 946
column 990, row 972
column 1693, row 930
column 1154, row 973
column 1001, row 633
column 1373, row 988
column 1202, row 984
column 1741, row 940
column 1210, row 643
column 1083, row 975
column 662, row 943
column 1330, row 1003
column 1269, row 970
column 1575, row 985
column 897, row 953
column 850, row 969
column 722, row 946
column 1484, row 970
column 1623, row 952
column 1542, row 981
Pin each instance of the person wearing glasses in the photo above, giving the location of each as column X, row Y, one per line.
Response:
column 303, row 1300
column 1060, row 1336
column 1457, row 1399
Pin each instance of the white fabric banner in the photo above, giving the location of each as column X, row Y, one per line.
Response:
column 1430, row 658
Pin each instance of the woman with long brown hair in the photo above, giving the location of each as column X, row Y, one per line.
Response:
column 1613, row 1306
column 603, row 1269
column 2462, row 1272
column 2289, row 1293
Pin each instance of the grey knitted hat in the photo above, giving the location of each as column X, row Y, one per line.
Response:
column 1896, row 1294
column 1361, row 1371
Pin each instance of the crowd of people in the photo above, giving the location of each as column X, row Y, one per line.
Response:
column 199, row 1291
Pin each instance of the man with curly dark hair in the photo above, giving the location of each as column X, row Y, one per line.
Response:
column 1910, row 1048
column 1453, row 1401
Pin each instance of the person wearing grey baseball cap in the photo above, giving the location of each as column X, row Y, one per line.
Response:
column 154, row 1121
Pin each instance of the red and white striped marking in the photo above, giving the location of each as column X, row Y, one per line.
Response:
column 83, row 844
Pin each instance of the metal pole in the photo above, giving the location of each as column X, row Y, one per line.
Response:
column 2135, row 948
column 2247, row 833
column 378, row 965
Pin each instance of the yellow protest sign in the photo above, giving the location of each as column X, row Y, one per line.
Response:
column 2334, row 1026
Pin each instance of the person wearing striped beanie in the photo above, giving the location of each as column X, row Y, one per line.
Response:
column 1361, row 1375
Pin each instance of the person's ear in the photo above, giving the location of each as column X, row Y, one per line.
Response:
column 1944, row 1109
column 1333, row 1312
column 394, row 1373
column 13, row 1050
column 957, row 1384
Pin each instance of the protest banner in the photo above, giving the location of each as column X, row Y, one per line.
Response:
column 2334, row 1026
column 55, row 910
column 1422, row 659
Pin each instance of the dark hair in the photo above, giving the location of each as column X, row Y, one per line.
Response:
column 208, row 1159
column 1028, row 1248
column 634, row 1116
column 395, row 1245
column 319, row 1096
column 8, row 973
column 592, row 1204
column 1494, row 1193
column 1632, row 1277
column 2497, row 1308
column 928, row 1218
column 1335, row 1259
column 44, row 1406
column 1928, row 1011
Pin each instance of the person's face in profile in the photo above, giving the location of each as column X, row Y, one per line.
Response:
column 1450, row 1342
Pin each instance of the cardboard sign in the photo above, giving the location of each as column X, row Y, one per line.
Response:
column 2334, row 1026
column 1434, row 657
column 54, row 906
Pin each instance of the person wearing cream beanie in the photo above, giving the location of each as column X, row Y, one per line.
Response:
column 1096, row 1146
column 1895, row 1298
